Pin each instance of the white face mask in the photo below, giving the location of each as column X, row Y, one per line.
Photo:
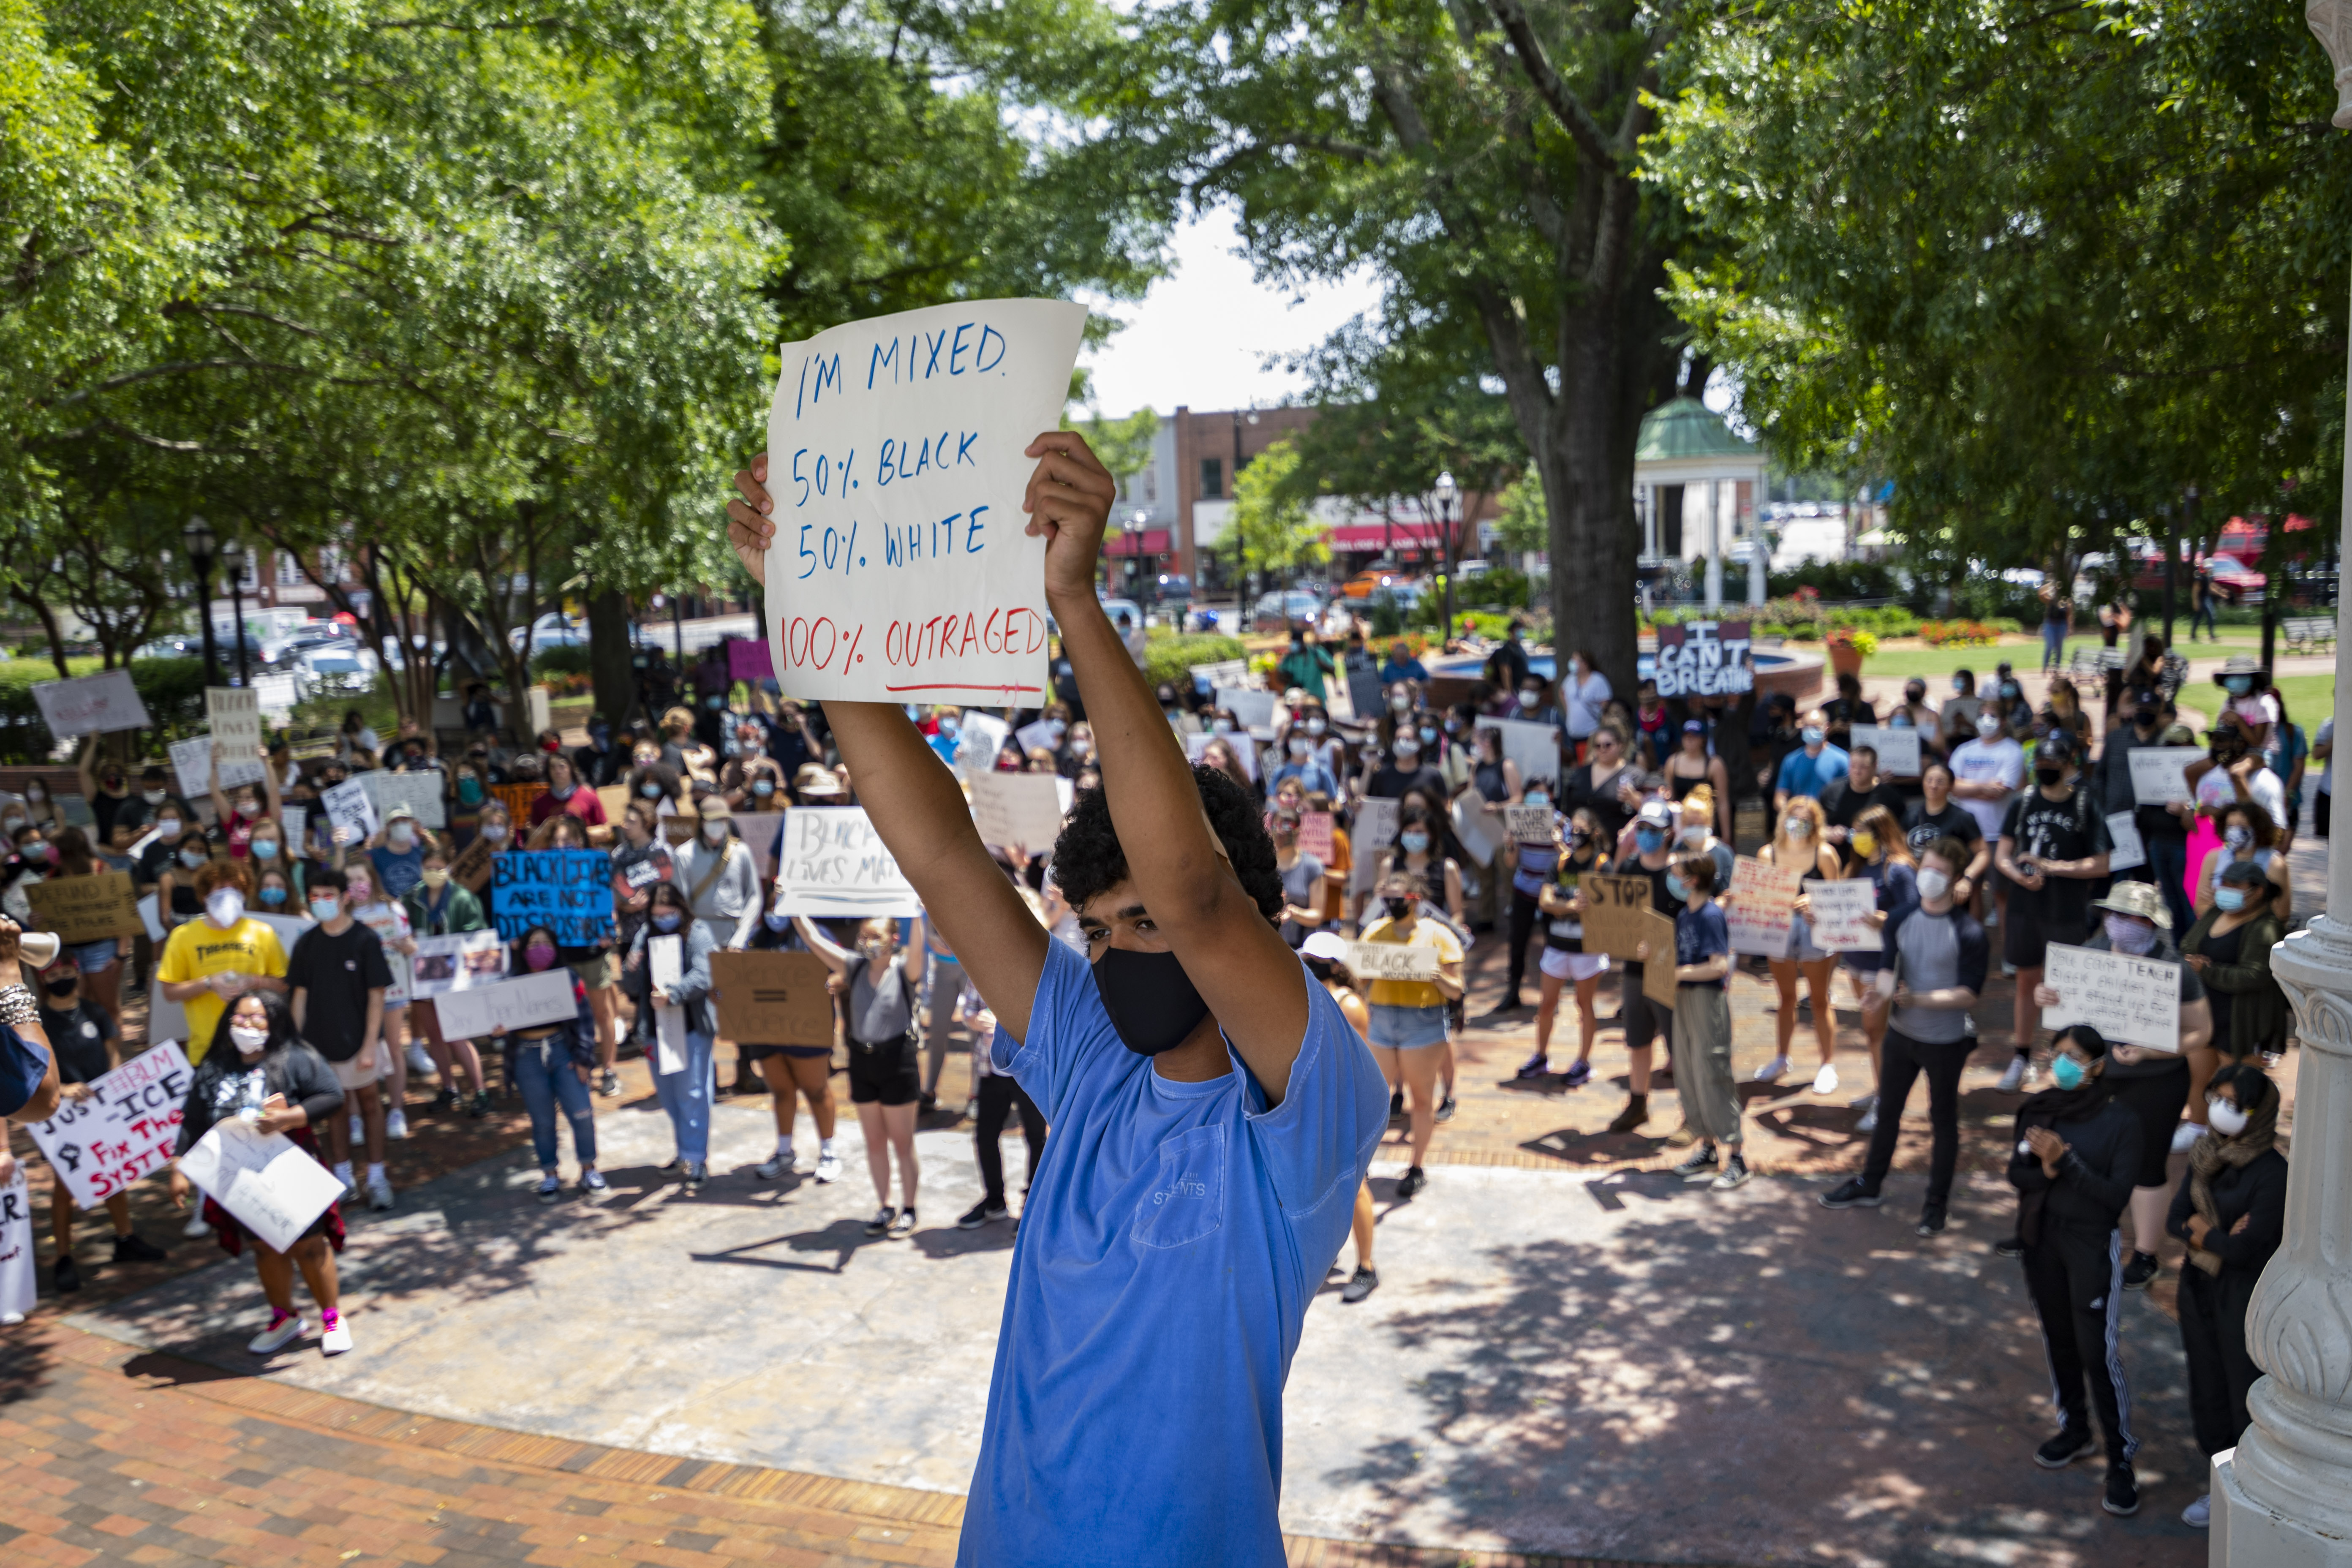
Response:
column 496, row 832
column 249, row 1041
column 1988, row 726
column 400, row 836
column 1933, row 885
column 715, row 832
column 225, row 907
column 2226, row 1119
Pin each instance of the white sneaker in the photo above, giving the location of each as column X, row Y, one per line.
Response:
column 337, row 1340
column 1869, row 1123
column 379, row 1193
column 269, row 1341
column 775, row 1164
column 1860, row 1100
column 359, row 1129
column 420, row 1060
column 2198, row 1515
column 395, row 1122
column 196, row 1225
column 828, row 1166
column 2185, row 1136
column 1770, row 1071
column 1826, row 1080
column 2012, row 1075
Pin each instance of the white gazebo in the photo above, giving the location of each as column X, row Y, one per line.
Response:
column 1696, row 483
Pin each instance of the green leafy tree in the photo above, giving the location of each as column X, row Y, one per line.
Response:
column 1521, row 528
column 1273, row 532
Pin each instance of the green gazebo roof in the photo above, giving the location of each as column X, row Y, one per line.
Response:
column 1687, row 428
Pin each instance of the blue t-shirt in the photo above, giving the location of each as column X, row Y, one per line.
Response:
column 396, row 872
column 1699, row 935
column 23, row 1064
column 1173, row 1237
column 1411, row 669
column 1802, row 774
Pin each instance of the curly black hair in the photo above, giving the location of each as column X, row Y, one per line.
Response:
column 1087, row 858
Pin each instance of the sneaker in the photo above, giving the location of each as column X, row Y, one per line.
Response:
column 2198, row 1515
column 1360, row 1284
column 1396, row 1103
column 1733, row 1175
column 2012, row 1077
column 337, row 1340
column 880, row 1224
column 379, row 1193
column 1579, row 1074
column 445, row 1100
column 279, row 1335
column 828, row 1166
column 2063, row 1450
column 1445, row 1109
column 2009, row 1247
column 1413, row 1180
column 196, row 1225
column 358, row 1129
column 1773, row 1071
column 592, row 1183
column 136, row 1249
column 395, row 1122
column 904, row 1226
column 480, row 1105
column 2008, row 970
column 2185, row 1136
column 608, row 1083
column 926, row 1101
column 1863, row 1101
column 1700, row 1166
column 2122, row 1498
column 1931, row 1220
column 694, row 1175
column 420, row 1060
column 549, row 1189
column 775, row 1165
column 1869, row 1123
column 1636, row 1112
column 65, row 1276
column 1536, row 1066
column 1851, row 1193
column 983, row 1213
column 1508, row 1004
column 2141, row 1271
column 1826, row 1080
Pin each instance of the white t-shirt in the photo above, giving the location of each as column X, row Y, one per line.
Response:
column 1584, row 700
column 2216, row 790
column 2000, row 761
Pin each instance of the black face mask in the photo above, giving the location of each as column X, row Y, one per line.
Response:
column 1152, row 1003
column 59, row 987
column 2048, row 774
column 1397, row 908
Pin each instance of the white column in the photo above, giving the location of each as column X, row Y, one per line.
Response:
column 2282, row 1498
column 1714, row 540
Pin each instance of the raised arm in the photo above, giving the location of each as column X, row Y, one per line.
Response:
column 836, row 957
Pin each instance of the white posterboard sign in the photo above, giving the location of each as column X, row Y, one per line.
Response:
column 665, row 963
column 756, row 829
column 1251, row 710
column 1534, row 747
column 234, row 714
column 2123, row 832
column 835, row 865
column 90, row 704
column 1374, row 830
column 1759, row 914
column 1245, row 750
column 296, row 819
column 1475, row 828
column 466, row 961
column 389, row 920
column 1227, row 672
column 19, row 1287
column 419, row 791
column 126, row 1130
column 288, row 928
column 1529, row 823
column 1896, row 748
column 980, row 737
column 1040, row 736
column 265, row 1179
column 519, row 1004
column 2135, row 1001
column 2156, row 774
column 1019, row 808
column 347, row 805
column 191, row 765
column 1839, row 914
column 901, row 570
column 1371, row 961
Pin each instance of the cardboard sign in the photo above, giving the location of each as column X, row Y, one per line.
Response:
column 2135, row 1001
column 349, row 805
column 2123, row 832
column 1897, row 749
column 1658, row 982
column 979, row 739
column 901, row 570
column 463, row 961
column 835, row 865
column 615, row 799
column 419, row 791
column 19, row 1285
column 2157, row 772
column 265, row 1179
column 1534, row 748
column 773, row 998
column 1315, row 836
column 1225, row 672
column 1529, row 823
column 1251, row 710
column 759, row 829
column 748, row 659
column 520, row 1003
column 472, row 869
column 1375, row 828
column 1840, row 912
column 96, row 704
column 568, row 891
column 86, row 909
column 1703, row 659
column 1759, row 911
column 1613, row 907
column 233, row 713
column 124, row 1131
column 1019, row 808
column 519, row 798
column 1371, row 961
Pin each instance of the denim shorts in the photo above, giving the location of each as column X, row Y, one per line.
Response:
column 91, row 957
column 1407, row 1028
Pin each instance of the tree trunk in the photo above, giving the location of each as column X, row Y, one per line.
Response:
column 1586, row 466
column 609, row 656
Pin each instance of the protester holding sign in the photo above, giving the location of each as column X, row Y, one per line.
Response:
column 439, row 905
column 86, row 1044
column 1702, row 1029
column 99, row 959
column 1408, row 1016
column 551, row 1063
column 2052, row 847
column 208, row 963
column 1644, row 1019
column 722, row 876
column 258, row 1068
column 254, row 803
column 877, row 985
column 795, row 1064
column 1564, row 960
column 1534, row 854
column 682, row 1079
column 577, row 895
column 1882, row 857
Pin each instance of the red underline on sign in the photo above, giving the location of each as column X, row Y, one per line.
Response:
column 962, row 686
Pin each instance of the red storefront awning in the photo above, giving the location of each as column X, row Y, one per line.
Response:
column 1418, row 533
column 1148, row 542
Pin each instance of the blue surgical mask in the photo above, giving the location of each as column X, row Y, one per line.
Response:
column 2229, row 897
column 273, row 897
column 2067, row 1073
column 1414, row 843
column 666, row 924
column 1537, row 798
column 2239, row 685
column 1675, row 887
column 1811, row 734
column 1651, row 839
column 777, row 923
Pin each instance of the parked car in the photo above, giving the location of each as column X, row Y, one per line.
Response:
column 1365, row 583
column 1285, row 609
column 2233, row 582
column 336, row 666
column 551, row 630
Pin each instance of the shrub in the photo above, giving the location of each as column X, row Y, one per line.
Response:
column 173, row 690
column 1959, row 634
column 560, row 660
column 1170, row 659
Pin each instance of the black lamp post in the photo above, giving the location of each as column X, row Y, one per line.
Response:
column 233, row 558
column 1446, row 492
column 202, row 548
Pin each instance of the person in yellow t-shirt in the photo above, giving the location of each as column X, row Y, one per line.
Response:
column 1408, row 1022
column 210, row 961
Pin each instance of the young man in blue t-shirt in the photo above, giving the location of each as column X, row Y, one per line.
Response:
column 1212, row 1109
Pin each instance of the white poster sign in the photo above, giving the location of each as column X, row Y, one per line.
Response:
column 2157, row 772
column 519, row 1004
column 234, row 715
column 981, row 737
column 191, row 765
column 389, row 920
column 1477, row 830
column 1760, row 913
column 1245, row 750
column 665, row 964
column 347, row 805
column 1039, row 737
column 1374, row 830
column 124, row 1131
column 90, row 704
column 466, row 961
column 1369, row 960
column 288, row 928
column 419, row 791
column 758, row 829
column 2122, row 831
column 1534, row 747
column 19, row 1287
column 296, row 819
column 1840, row 912
column 901, row 570
column 263, row 1178
column 2134, row 1000
column 1897, row 750
column 1251, row 710
column 1227, row 672
column 834, row 865
column 1019, row 808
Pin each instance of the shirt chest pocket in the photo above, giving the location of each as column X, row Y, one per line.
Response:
column 1187, row 1198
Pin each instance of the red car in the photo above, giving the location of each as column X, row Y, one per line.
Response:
column 2233, row 583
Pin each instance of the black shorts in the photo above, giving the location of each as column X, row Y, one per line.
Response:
column 887, row 1074
column 755, row 1053
column 2026, row 935
column 2156, row 1099
column 1645, row 1020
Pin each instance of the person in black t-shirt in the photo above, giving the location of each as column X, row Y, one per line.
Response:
column 1936, row 815
column 1653, row 858
column 83, row 1037
column 1844, row 800
column 2053, row 851
column 337, row 976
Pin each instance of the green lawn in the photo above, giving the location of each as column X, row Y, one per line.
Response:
column 2309, row 699
column 1935, row 665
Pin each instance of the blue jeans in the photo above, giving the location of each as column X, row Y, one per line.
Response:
column 2054, row 643
column 687, row 1095
column 547, row 1080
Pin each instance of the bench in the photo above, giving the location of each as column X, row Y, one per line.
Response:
column 2310, row 634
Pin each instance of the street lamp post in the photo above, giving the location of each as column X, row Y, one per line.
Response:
column 202, row 548
column 233, row 558
column 1446, row 494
